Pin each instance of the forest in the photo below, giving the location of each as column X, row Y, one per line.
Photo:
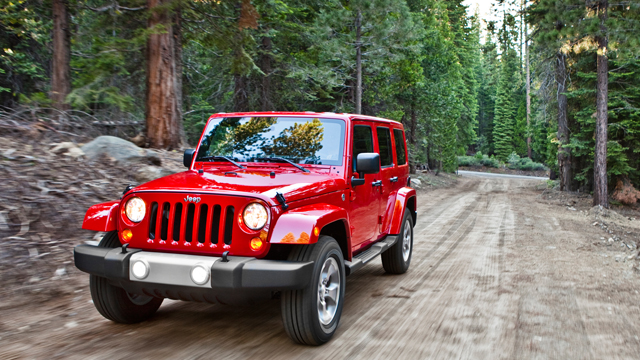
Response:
column 548, row 83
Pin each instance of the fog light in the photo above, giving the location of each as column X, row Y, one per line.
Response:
column 126, row 235
column 256, row 244
column 140, row 269
column 199, row 275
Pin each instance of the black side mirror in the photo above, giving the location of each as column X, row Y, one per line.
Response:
column 188, row 157
column 368, row 163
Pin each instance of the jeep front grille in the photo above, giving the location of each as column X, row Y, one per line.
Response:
column 192, row 223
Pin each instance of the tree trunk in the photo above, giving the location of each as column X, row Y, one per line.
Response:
column 61, row 69
column 528, row 87
column 163, row 108
column 564, row 154
column 358, row 63
column 240, row 94
column 600, row 189
column 266, row 69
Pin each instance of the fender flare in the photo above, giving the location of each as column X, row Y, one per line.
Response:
column 405, row 199
column 303, row 225
column 102, row 217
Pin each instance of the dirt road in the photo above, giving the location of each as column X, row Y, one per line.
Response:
column 497, row 273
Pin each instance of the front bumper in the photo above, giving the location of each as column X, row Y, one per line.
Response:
column 169, row 274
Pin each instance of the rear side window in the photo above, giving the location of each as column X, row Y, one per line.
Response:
column 401, row 151
column 384, row 144
column 362, row 141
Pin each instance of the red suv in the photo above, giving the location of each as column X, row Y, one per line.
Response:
column 272, row 205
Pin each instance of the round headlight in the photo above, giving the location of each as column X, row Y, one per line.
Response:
column 255, row 216
column 135, row 209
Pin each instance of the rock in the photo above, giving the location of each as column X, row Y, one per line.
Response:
column 122, row 151
column 67, row 148
column 595, row 223
column 71, row 324
column 148, row 173
column 416, row 183
column 61, row 272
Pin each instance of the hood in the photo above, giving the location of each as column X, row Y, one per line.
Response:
column 293, row 185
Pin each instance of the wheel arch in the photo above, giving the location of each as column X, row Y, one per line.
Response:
column 338, row 231
column 405, row 201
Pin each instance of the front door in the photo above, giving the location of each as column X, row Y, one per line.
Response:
column 365, row 199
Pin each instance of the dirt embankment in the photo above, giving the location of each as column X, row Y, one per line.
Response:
column 45, row 190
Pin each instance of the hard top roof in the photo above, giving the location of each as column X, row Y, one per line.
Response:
column 343, row 116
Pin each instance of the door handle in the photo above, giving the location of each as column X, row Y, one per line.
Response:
column 377, row 183
column 394, row 179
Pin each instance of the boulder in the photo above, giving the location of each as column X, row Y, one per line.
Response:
column 122, row 151
column 148, row 173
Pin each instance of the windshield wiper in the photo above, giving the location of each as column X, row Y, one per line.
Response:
column 220, row 158
column 279, row 159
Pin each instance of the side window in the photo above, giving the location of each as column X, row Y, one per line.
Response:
column 384, row 144
column 401, row 151
column 362, row 141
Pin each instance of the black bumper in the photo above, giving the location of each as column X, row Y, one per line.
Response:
column 239, row 273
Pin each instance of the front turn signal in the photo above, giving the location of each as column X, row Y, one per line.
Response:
column 127, row 235
column 256, row 244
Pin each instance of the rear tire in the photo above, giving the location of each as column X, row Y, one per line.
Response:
column 113, row 302
column 311, row 315
column 396, row 260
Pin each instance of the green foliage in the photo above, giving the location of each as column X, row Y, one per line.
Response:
column 517, row 163
column 482, row 160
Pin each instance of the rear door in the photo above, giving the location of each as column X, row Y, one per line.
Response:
column 365, row 199
column 388, row 177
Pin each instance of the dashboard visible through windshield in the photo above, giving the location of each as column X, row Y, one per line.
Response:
column 298, row 139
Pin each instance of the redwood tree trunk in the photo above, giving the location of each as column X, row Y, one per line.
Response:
column 564, row 154
column 61, row 70
column 164, row 91
column 600, row 189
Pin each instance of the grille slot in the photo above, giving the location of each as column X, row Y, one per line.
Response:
column 191, row 211
column 164, row 225
column 201, row 223
column 153, row 218
column 215, row 224
column 228, row 224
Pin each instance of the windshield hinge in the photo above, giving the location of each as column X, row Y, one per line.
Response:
column 282, row 201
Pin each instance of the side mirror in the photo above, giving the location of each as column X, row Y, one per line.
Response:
column 188, row 157
column 368, row 163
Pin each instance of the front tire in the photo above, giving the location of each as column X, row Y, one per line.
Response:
column 396, row 260
column 311, row 315
column 113, row 302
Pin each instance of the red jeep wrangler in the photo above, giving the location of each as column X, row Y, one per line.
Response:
column 273, row 204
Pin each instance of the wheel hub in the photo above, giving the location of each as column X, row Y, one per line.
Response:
column 328, row 291
column 406, row 241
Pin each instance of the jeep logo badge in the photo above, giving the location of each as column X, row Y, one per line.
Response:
column 192, row 199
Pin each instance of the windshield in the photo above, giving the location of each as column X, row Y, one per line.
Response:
column 300, row 140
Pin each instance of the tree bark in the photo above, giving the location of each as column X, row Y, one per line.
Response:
column 528, row 87
column 61, row 69
column 358, row 63
column 600, row 188
column 564, row 154
column 163, row 108
column 266, row 69
column 240, row 93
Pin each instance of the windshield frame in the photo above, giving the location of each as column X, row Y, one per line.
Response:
column 220, row 117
